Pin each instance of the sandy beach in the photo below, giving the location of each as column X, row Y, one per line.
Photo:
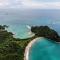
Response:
column 26, row 54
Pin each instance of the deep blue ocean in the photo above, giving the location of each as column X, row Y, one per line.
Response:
column 19, row 22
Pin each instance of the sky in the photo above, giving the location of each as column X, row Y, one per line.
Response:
column 32, row 4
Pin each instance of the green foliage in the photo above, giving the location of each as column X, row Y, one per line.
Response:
column 10, row 48
column 13, row 48
column 45, row 31
column 2, row 27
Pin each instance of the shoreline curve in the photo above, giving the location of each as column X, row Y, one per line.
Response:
column 26, row 53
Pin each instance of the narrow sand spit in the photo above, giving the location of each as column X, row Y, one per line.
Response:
column 26, row 54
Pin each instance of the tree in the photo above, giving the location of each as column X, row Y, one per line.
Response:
column 2, row 27
column 45, row 31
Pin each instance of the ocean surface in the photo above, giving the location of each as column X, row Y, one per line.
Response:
column 17, row 20
column 44, row 49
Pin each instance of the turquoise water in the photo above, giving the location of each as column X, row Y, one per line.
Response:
column 20, row 31
column 43, row 49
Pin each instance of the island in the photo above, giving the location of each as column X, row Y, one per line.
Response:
column 12, row 48
column 45, row 31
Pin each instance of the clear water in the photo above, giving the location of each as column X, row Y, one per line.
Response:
column 20, row 31
column 43, row 49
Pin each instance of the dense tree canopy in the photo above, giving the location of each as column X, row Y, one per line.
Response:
column 45, row 31
column 4, row 34
column 13, row 48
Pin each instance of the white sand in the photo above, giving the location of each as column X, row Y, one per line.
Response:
column 26, row 54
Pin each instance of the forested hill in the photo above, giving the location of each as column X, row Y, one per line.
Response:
column 45, row 31
column 13, row 48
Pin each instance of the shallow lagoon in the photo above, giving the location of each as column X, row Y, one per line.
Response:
column 20, row 31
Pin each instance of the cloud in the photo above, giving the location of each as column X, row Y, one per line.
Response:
column 46, row 5
column 29, row 4
column 46, row 0
column 10, row 3
column 3, row 3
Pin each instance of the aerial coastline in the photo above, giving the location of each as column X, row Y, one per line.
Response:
column 16, row 48
column 26, row 54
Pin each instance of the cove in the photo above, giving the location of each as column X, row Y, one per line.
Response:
column 44, row 49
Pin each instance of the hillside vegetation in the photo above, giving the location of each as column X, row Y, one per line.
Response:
column 13, row 48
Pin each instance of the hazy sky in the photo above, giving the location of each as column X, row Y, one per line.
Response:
column 40, row 4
